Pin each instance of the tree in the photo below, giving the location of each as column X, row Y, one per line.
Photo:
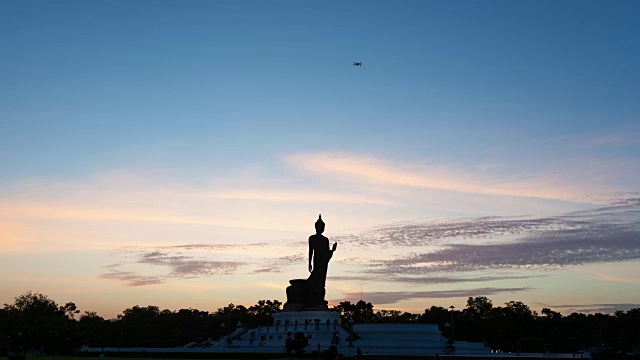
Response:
column 550, row 314
column 139, row 326
column 361, row 312
column 395, row 316
column 31, row 305
column 262, row 311
column 40, row 323
column 92, row 328
column 36, row 322
column 479, row 307
column 70, row 310
column 520, row 310
column 231, row 314
column 435, row 315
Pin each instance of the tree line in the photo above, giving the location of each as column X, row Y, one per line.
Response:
column 36, row 322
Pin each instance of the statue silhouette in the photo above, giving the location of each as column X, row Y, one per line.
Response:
column 321, row 254
column 309, row 294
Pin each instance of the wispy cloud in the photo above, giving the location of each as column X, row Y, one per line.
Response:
column 299, row 196
column 123, row 197
column 8, row 235
column 279, row 264
column 591, row 308
column 130, row 278
column 441, row 246
column 185, row 266
column 558, row 252
column 438, row 231
column 368, row 169
column 198, row 247
column 618, row 279
column 175, row 264
column 424, row 280
column 605, row 235
column 618, row 139
column 93, row 212
column 391, row 297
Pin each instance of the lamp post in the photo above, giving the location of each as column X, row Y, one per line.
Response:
column 447, row 329
column 222, row 330
column 350, row 332
column 452, row 326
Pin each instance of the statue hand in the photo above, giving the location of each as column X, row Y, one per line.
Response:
column 335, row 245
column 310, row 268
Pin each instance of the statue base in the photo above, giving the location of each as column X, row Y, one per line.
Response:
column 303, row 307
column 303, row 295
column 296, row 320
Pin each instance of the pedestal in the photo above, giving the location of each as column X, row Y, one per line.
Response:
column 290, row 318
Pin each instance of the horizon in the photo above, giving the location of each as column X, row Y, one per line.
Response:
column 177, row 154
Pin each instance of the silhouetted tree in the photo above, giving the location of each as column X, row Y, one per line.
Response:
column 550, row 314
column 92, row 329
column 361, row 312
column 261, row 312
column 435, row 315
column 35, row 322
column 395, row 316
column 479, row 307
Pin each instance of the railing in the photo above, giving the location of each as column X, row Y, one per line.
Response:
column 300, row 327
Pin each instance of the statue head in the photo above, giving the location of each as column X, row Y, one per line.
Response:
column 319, row 225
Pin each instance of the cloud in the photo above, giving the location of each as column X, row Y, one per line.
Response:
column 187, row 266
column 376, row 171
column 605, row 235
column 618, row 279
column 391, row 297
column 278, row 265
column 8, row 235
column 619, row 139
column 558, row 250
column 299, row 196
column 177, row 264
column 629, row 201
column 609, row 308
column 130, row 278
column 453, row 280
column 200, row 247
column 424, row 280
column 591, row 308
column 442, row 248
column 94, row 212
column 438, row 231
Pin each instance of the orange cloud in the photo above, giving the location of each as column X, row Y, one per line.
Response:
column 64, row 211
column 618, row 279
column 298, row 196
column 9, row 238
column 377, row 171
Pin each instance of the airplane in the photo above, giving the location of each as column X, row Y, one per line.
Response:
column 357, row 63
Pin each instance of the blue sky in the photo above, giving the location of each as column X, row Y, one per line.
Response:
column 150, row 146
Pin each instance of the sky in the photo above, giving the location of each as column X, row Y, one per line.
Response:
column 178, row 153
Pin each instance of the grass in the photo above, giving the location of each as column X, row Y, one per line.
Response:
column 44, row 357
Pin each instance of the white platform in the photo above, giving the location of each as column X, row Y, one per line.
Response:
column 373, row 339
column 410, row 339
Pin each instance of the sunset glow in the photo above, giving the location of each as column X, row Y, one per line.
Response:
column 178, row 153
